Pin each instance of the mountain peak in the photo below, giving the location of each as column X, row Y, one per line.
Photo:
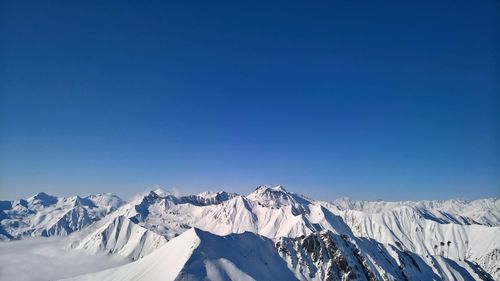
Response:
column 160, row 192
column 264, row 188
column 43, row 199
column 275, row 196
column 79, row 201
column 201, row 255
column 41, row 195
column 279, row 188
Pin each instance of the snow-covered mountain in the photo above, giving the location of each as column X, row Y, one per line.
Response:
column 200, row 255
column 425, row 227
column 482, row 211
column 119, row 235
column 271, row 212
column 329, row 256
column 47, row 215
column 316, row 240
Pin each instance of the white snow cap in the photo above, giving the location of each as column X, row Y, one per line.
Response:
column 273, row 188
column 161, row 192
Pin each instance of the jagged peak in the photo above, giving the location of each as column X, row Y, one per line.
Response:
column 152, row 194
column 277, row 196
column 266, row 191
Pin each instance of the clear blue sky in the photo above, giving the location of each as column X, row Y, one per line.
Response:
column 383, row 99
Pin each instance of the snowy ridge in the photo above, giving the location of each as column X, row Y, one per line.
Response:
column 47, row 215
column 200, row 255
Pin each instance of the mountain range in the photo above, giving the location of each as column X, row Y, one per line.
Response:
column 269, row 234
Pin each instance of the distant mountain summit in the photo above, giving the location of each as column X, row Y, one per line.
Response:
column 42, row 199
column 276, row 196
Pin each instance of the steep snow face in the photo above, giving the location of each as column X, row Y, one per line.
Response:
column 412, row 231
column 482, row 211
column 47, row 215
column 328, row 256
column 118, row 236
column 200, row 255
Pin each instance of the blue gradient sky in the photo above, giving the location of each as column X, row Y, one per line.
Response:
column 381, row 100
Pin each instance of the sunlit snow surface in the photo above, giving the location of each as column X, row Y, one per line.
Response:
column 315, row 240
column 200, row 255
column 49, row 259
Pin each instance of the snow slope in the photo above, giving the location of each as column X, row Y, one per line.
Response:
column 200, row 255
column 119, row 236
